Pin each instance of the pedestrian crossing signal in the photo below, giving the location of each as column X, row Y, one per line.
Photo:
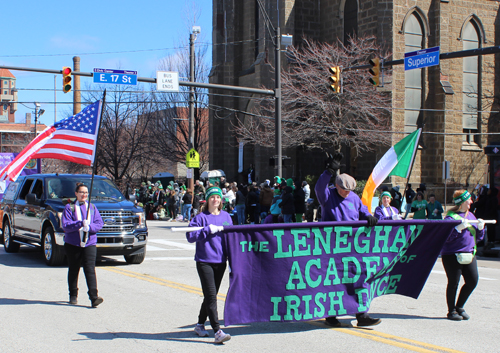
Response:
column 67, row 79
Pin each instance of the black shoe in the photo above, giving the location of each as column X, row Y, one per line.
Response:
column 73, row 299
column 333, row 322
column 96, row 302
column 454, row 316
column 463, row 314
column 368, row 321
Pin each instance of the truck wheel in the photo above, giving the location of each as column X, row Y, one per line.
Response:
column 135, row 259
column 8, row 243
column 52, row 253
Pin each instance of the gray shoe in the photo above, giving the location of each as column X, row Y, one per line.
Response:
column 96, row 302
column 454, row 316
column 73, row 299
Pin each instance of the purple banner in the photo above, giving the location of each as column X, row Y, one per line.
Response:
column 285, row 272
column 32, row 167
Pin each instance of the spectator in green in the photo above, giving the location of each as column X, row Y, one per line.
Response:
column 434, row 208
column 419, row 206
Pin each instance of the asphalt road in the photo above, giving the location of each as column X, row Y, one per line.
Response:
column 152, row 307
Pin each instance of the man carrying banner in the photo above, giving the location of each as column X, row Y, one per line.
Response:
column 340, row 204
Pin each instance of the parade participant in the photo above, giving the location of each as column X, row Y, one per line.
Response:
column 385, row 211
column 419, row 206
column 80, row 243
column 434, row 208
column 458, row 255
column 341, row 204
column 210, row 257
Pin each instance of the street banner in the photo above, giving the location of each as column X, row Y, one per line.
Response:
column 286, row 273
column 397, row 161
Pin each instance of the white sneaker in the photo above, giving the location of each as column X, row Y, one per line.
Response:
column 221, row 337
column 200, row 330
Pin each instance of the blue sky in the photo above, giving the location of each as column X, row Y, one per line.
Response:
column 130, row 35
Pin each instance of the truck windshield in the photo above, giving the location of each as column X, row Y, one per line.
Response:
column 64, row 187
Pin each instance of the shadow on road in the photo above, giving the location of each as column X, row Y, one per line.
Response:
column 11, row 301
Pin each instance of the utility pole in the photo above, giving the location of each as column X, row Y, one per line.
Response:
column 192, row 38
column 277, row 102
column 77, row 95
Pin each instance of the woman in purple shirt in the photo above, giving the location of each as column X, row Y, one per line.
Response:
column 210, row 259
column 458, row 255
column 385, row 211
column 80, row 244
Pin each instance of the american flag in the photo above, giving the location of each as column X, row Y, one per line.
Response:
column 72, row 139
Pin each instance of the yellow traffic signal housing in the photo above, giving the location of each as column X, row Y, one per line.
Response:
column 335, row 86
column 67, row 79
column 375, row 71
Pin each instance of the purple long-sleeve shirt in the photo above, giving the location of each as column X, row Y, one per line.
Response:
column 209, row 247
column 71, row 225
column 381, row 215
column 464, row 241
column 336, row 208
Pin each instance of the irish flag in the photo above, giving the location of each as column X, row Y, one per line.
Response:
column 396, row 161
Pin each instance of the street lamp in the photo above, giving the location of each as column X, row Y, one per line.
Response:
column 38, row 112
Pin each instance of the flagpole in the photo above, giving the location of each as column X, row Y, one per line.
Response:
column 409, row 175
column 95, row 154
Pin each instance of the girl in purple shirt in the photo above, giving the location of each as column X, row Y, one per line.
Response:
column 461, row 241
column 210, row 259
column 385, row 211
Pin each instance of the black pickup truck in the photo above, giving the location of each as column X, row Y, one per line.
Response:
column 32, row 207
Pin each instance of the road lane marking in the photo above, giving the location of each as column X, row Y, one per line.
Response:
column 161, row 281
column 381, row 337
column 185, row 246
column 190, row 258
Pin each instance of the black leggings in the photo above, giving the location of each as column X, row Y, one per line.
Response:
column 453, row 271
column 77, row 257
column 210, row 277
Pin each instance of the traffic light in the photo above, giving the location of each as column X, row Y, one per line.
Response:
column 335, row 79
column 375, row 71
column 67, row 84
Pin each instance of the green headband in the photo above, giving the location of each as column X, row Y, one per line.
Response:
column 462, row 198
column 214, row 190
column 386, row 193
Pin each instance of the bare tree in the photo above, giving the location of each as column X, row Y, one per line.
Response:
column 312, row 114
column 123, row 133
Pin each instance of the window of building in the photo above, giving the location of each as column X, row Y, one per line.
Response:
column 414, row 40
column 350, row 20
column 470, row 96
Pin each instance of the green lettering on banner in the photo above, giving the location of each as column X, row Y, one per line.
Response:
column 307, row 314
column 381, row 236
column 325, row 241
column 319, row 311
column 392, row 286
column 347, row 269
column 380, row 290
column 301, row 242
column 310, row 282
column 362, row 293
column 341, row 235
column 264, row 246
column 331, row 271
column 400, row 237
column 253, row 246
column 371, row 270
column 334, row 302
column 275, row 316
column 295, row 274
column 366, row 242
column 278, row 233
column 289, row 307
column 243, row 243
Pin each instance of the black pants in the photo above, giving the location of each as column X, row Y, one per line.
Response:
column 453, row 271
column 210, row 277
column 77, row 257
